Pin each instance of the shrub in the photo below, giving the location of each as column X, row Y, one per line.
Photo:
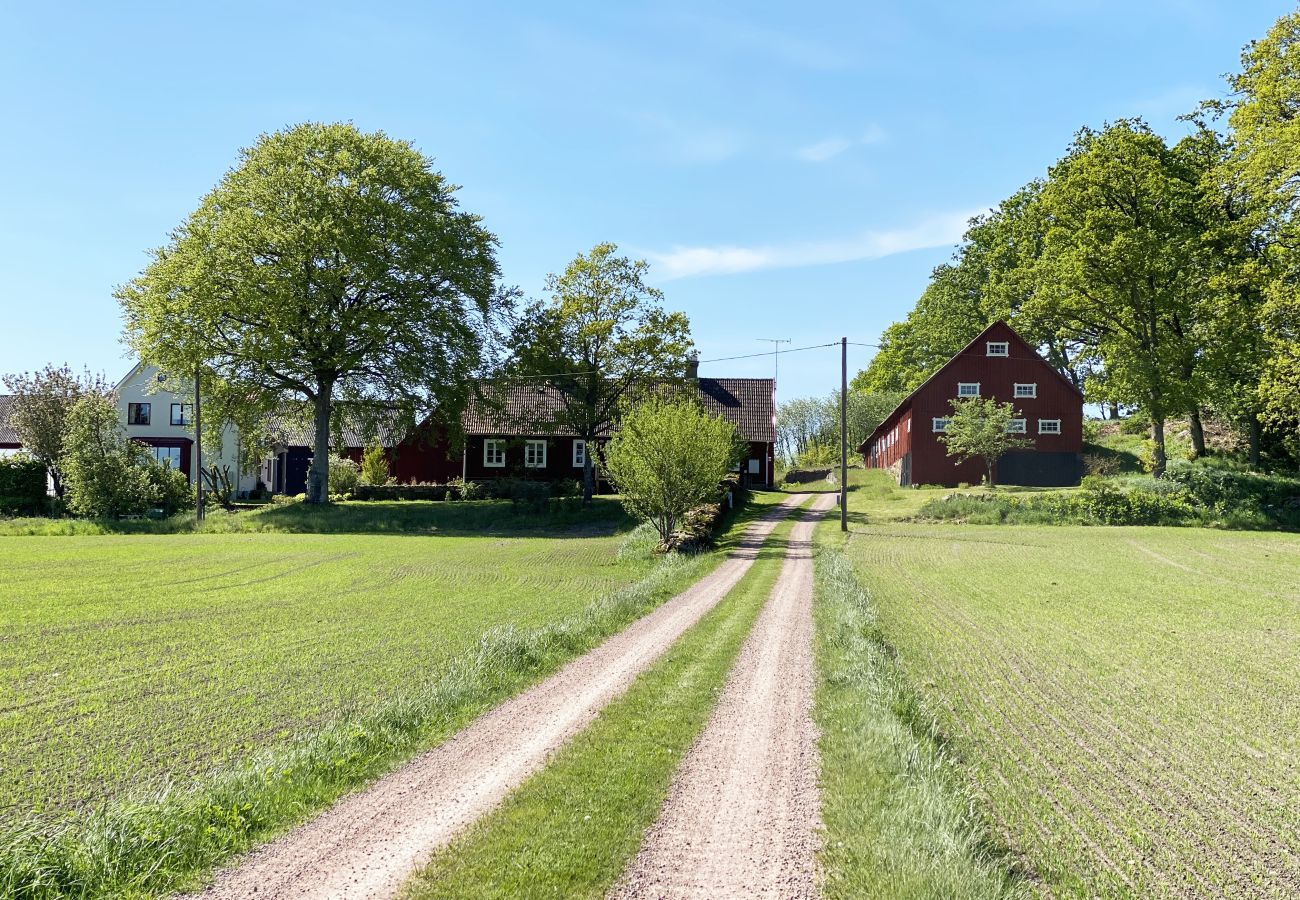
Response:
column 404, row 492
column 170, row 490
column 1098, row 464
column 460, row 489
column 22, row 486
column 374, row 465
column 344, row 475
column 106, row 474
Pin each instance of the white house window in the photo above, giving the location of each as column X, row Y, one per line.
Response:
column 494, row 454
column 1026, row 390
column 753, row 467
column 997, row 348
column 535, row 454
column 941, row 424
column 1049, row 426
column 1016, row 426
column 579, row 454
column 182, row 414
column 167, row 456
column 968, row 389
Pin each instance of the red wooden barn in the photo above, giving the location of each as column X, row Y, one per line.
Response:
column 998, row 364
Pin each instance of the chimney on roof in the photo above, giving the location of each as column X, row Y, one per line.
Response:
column 693, row 368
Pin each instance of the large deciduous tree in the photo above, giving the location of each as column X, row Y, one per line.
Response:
column 329, row 265
column 39, row 412
column 600, row 336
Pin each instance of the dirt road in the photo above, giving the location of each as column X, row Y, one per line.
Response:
column 741, row 819
column 368, row 843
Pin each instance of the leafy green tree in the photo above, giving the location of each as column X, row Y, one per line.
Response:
column 329, row 265
column 668, row 457
column 374, row 464
column 106, row 473
column 600, row 337
column 1121, row 262
column 39, row 412
column 980, row 428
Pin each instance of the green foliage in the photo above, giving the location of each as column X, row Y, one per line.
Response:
column 809, row 422
column 327, row 265
column 106, row 473
column 39, row 412
column 599, row 339
column 22, row 486
column 979, row 428
column 668, row 457
column 374, row 465
column 345, row 474
column 169, row 489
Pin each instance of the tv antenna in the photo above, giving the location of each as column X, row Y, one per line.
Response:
column 776, row 353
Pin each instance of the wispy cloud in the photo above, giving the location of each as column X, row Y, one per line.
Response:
column 834, row 146
column 940, row 230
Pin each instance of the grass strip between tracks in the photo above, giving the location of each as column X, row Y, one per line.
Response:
column 570, row 830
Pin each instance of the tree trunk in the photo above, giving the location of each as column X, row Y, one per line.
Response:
column 1198, row 432
column 991, row 464
column 57, row 481
column 1254, row 440
column 1114, row 409
column 318, row 476
column 588, row 472
column 1158, row 457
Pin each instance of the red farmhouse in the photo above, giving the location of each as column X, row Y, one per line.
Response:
column 1001, row 365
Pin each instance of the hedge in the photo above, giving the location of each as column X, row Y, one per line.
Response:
column 22, row 487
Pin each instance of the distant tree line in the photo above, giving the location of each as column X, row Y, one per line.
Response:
column 1162, row 277
column 808, row 428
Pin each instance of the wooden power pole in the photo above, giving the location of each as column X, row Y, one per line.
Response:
column 844, row 434
column 198, row 448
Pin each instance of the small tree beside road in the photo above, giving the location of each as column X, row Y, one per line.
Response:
column 668, row 457
column 981, row 429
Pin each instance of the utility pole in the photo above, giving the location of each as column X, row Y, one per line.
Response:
column 844, row 434
column 198, row 448
column 776, row 353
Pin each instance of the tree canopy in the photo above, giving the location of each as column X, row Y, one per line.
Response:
column 329, row 265
column 42, row 402
column 980, row 428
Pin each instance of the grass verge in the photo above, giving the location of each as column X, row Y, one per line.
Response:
column 151, row 844
column 899, row 822
column 570, row 830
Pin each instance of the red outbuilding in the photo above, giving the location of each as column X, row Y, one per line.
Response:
column 1001, row 365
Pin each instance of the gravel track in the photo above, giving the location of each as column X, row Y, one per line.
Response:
column 742, row 817
column 367, row 844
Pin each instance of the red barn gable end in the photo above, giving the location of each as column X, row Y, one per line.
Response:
column 993, row 365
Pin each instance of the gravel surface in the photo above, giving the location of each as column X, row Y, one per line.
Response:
column 371, row 841
column 741, row 819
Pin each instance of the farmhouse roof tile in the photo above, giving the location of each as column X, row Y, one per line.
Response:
column 747, row 403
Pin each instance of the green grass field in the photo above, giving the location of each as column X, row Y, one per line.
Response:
column 124, row 659
column 1125, row 702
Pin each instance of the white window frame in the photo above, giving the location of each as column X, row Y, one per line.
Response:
column 530, row 452
column 494, row 453
column 1054, row 426
column 1018, row 426
column 1031, row 394
column 579, row 454
column 1003, row 348
column 962, row 387
column 939, row 424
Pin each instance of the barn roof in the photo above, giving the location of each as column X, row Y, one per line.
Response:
column 293, row 426
column 889, row 420
column 747, row 403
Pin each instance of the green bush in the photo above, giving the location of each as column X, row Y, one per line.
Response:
column 1098, row 502
column 22, row 486
column 170, row 490
column 344, row 475
column 374, row 465
column 104, row 472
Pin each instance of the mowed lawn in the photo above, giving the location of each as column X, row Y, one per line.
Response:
column 1125, row 700
column 127, row 659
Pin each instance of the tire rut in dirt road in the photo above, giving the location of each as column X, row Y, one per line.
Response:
column 370, row 842
column 742, row 817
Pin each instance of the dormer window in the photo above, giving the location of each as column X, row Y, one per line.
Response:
column 968, row 389
column 998, row 348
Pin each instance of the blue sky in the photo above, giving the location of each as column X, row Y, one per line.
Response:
column 791, row 170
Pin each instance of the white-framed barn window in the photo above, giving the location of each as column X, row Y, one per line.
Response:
column 1016, row 426
column 968, row 389
column 1049, row 426
column 1026, row 391
column 940, row 424
column 997, row 348
column 579, row 454
column 494, row 453
column 534, row 454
